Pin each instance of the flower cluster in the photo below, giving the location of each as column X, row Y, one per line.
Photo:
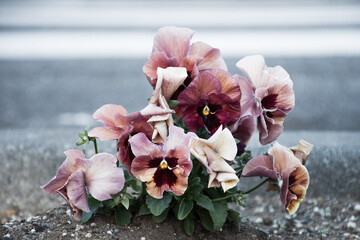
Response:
column 187, row 149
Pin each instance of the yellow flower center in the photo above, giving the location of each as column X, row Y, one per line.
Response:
column 206, row 110
column 163, row 164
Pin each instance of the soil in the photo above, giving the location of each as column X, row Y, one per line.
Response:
column 263, row 218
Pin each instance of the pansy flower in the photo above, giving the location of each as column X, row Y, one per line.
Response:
column 158, row 110
column 215, row 153
column 172, row 48
column 267, row 95
column 211, row 100
column 99, row 175
column 163, row 167
column 118, row 125
column 284, row 167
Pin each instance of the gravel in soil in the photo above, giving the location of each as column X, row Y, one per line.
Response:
column 264, row 218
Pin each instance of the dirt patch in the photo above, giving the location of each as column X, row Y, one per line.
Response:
column 264, row 218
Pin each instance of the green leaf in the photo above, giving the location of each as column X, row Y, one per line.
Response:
column 161, row 217
column 206, row 219
column 185, row 208
column 157, row 206
column 125, row 202
column 93, row 205
column 117, row 199
column 173, row 103
column 235, row 217
column 195, row 180
column 193, row 190
column 205, row 202
column 134, row 184
column 144, row 210
column 189, row 225
column 122, row 216
column 219, row 214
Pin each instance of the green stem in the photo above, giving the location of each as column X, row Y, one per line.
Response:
column 95, row 145
column 257, row 186
column 223, row 198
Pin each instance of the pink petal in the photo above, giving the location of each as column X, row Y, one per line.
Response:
column 252, row 67
column 285, row 175
column 107, row 113
column 247, row 96
column 302, row 151
column 103, row 177
column 229, row 85
column 76, row 191
column 141, row 145
column 140, row 166
column 204, row 83
column 243, row 128
column 177, row 137
column 182, row 153
column 173, row 41
column 283, row 158
column 104, row 134
column 211, row 56
column 260, row 166
column 268, row 131
column 170, row 79
column 124, row 153
column 158, row 59
column 64, row 171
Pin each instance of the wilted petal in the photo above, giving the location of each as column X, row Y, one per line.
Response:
column 77, row 213
column 170, row 79
column 227, row 180
column 64, row 171
column 223, row 143
column 103, row 177
column 302, row 151
column 76, row 191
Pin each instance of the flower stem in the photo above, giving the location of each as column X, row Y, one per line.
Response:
column 95, row 145
column 257, row 186
column 223, row 198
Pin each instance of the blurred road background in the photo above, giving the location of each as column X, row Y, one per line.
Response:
column 61, row 60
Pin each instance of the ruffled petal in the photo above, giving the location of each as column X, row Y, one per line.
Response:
column 177, row 137
column 141, row 145
column 103, row 177
column 170, row 79
column 223, row 143
column 302, row 151
column 104, row 134
column 244, row 128
column 283, row 158
column 252, row 67
column 211, row 57
column 261, row 166
column 76, row 191
column 229, row 85
column 107, row 113
column 64, row 171
column 173, row 41
column 158, row 59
